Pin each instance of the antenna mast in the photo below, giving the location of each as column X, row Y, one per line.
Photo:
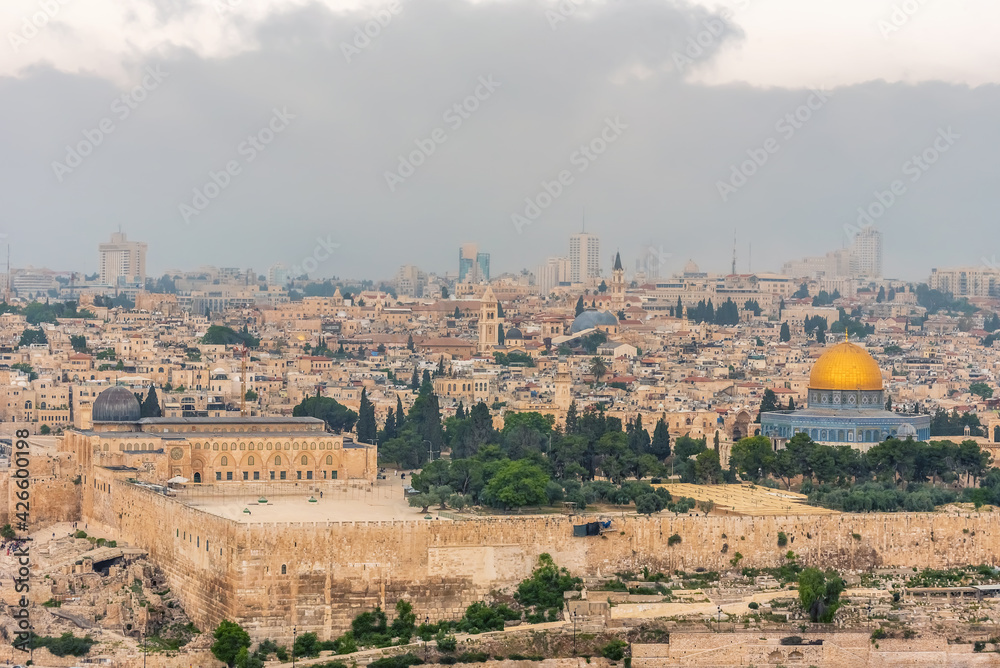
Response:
column 734, row 253
column 242, row 350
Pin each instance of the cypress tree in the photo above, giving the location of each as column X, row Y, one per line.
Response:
column 400, row 416
column 367, row 429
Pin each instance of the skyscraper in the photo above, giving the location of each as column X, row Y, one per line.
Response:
column 866, row 254
column 584, row 257
column 122, row 262
column 473, row 266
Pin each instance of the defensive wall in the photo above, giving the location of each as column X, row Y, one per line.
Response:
column 318, row 575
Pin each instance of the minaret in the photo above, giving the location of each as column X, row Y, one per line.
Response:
column 489, row 322
column 618, row 284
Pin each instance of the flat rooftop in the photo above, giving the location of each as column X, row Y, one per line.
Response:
column 343, row 501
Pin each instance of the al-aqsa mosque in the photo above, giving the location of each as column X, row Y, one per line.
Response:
column 846, row 405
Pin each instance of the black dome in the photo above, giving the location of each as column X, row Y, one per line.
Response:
column 116, row 404
column 593, row 318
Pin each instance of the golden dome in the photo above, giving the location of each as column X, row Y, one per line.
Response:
column 845, row 366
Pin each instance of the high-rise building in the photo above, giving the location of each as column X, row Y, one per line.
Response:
column 122, row 262
column 584, row 257
column 980, row 281
column 279, row 274
column 552, row 273
column 866, row 254
column 410, row 281
column 473, row 266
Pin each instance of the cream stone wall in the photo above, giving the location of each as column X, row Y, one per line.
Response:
column 318, row 576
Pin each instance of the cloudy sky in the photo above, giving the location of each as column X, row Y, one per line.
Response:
column 249, row 132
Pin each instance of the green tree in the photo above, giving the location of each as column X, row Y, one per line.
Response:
column 707, row 468
column 598, row 368
column 579, row 305
column 32, row 337
column 981, row 389
column 752, row 457
column 230, row 638
column 221, row 335
column 151, row 404
column 786, row 333
column 819, row 594
column 768, row 403
column 367, row 427
column 79, row 342
column 546, row 587
column 660, row 444
column 337, row 416
column 647, row 504
column 517, row 484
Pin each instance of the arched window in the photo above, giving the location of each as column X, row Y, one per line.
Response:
column 277, row 460
column 225, row 461
column 329, row 459
column 250, row 460
column 284, row 569
column 305, row 460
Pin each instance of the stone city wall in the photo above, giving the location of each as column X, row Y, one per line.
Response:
column 318, row 576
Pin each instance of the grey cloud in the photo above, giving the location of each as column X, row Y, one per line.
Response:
column 325, row 174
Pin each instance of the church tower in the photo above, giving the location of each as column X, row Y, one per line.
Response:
column 563, row 386
column 489, row 322
column 617, row 285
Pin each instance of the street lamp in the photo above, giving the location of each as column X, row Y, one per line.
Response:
column 574, row 632
column 293, row 647
column 143, row 637
column 719, row 625
column 427, row 621
column 430, row 450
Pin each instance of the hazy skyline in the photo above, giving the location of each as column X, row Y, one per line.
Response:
column 299, row 124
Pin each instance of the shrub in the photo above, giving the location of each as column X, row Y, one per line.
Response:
column 782, row 539
column 66, row 644
column 401, row 661
column 80, row 534
column 791, row 640
column 474, row 657
column 753, row 605
column 978, row 646
column 878, row 634
column 614, row 650
column 446, row 643
column 673, row 540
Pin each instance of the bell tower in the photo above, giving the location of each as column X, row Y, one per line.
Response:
column 617, row 285
column 489, row 322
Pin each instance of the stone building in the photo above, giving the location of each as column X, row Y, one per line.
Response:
column 214, row 450
column 846, row 405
